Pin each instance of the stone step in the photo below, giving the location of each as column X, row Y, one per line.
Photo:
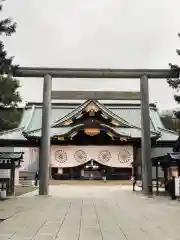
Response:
column 25, row 183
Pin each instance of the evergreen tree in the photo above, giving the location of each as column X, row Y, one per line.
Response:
column 9, row 96
column 175, row 83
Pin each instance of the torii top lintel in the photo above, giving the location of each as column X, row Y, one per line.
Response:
column 173, row 72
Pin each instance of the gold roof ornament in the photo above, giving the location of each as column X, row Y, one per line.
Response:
column 91, row 107
column 116, row 123
column 60, row 138
column 92, row 131
column 68, row 122
column 110, row 134
column 123, row 139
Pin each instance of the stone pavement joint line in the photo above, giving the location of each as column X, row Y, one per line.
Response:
column 105, row 212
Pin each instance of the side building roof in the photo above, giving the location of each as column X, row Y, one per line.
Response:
column 17, row 133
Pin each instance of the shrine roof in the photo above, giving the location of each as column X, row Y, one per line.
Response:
column 128, row 114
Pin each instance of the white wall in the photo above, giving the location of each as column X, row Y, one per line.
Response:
column 6, row 149
column 30, row 159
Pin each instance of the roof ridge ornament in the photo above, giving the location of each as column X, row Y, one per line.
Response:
column 92, row 107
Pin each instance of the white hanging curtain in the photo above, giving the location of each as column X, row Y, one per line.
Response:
column 72, row 156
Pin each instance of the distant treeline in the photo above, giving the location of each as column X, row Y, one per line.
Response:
column 10, row 118
column 170, row 123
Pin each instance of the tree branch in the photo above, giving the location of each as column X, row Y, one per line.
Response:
column 7, row 27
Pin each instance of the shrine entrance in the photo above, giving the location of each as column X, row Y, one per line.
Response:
column 48, row 95
column 93, row 170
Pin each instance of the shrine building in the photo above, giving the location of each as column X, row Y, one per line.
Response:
column 88, row 139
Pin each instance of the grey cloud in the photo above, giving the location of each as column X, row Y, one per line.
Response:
column 96, row 33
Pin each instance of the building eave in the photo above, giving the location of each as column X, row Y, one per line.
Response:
column 13, row 134
column 68, row 131
column 133, row 133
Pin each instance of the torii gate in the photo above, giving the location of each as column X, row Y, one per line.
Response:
column 48, row 94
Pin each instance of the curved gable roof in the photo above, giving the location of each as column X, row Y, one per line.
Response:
column 77, row 111
column 126, row 113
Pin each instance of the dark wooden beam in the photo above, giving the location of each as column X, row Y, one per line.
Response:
column 95, row 95
column 95, row 73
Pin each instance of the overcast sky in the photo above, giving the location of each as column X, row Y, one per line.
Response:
column 95, row 33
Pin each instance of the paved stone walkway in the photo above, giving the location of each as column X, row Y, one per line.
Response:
column 90, row 213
